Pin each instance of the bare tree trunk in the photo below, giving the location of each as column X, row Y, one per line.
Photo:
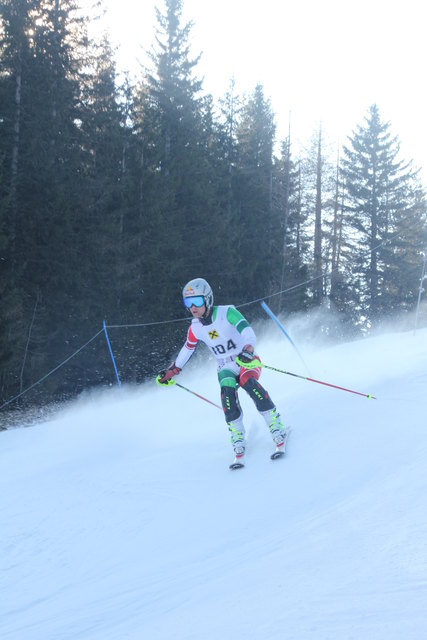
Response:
column 21, row 377
column 285, row 217
column 318, row 225
column 373, row 275
column 54, row 84
column 335, row 232
column 141, row 194
column 15, row 152
column 299, row 208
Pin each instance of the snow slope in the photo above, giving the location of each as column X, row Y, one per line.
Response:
column 121, row 521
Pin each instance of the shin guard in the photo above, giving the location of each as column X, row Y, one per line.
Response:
column 258, row 394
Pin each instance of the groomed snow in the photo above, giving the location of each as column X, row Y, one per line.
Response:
column 120, row 519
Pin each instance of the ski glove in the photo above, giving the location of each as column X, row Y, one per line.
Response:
column 247, row 358
column 246, row 355
column 164, row 377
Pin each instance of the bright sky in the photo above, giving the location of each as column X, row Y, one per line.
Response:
column 320, row 61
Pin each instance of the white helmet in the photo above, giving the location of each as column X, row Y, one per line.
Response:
column 199, row 287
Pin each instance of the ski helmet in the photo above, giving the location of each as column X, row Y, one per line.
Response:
column 199, row 287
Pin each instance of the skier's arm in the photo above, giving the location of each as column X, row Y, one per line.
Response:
column 187, row 350
column 183, row 357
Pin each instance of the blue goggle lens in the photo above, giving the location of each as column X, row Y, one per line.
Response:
column 197, row 301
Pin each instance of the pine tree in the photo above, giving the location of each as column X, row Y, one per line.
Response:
column 340, row 294
column 230, row 107
column 105, row 138
column 43, row 178
column 253, row 190
column 14, row 24
column 180, row 211
column 180, row 201
column 317, row 194
column 386, row 210
column 291, row 243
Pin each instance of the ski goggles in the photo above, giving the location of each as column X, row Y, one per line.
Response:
column 197, row 301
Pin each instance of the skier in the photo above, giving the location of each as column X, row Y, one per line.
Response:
column 228, row 335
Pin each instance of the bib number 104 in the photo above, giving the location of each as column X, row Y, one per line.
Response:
column 219, row 349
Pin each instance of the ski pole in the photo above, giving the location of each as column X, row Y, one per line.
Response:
column 282, row 329
column 257, row 363
column 198, row 395
column 181, row 386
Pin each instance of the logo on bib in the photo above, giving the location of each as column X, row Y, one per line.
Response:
column 213, row 334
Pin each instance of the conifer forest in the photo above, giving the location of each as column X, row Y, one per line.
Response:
column 114, row 193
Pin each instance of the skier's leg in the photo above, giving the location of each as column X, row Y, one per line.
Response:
column 232, row 410
column 259, row 395
column 264, row 405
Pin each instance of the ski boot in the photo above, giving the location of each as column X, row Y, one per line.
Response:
column 237, row 431
column 277, row 430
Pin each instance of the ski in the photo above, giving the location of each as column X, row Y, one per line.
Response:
column 236, row 465
column 279, row 453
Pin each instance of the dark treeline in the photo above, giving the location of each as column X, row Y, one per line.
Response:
column 113, row 195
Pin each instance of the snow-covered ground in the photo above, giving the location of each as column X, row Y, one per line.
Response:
column 120, row 519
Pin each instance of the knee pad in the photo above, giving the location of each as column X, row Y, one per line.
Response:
column 230, row 404
column 258, row 394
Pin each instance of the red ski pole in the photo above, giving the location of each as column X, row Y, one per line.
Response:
column 198, row 395
column 327, row 384
column 257, row 363
column 171, row 382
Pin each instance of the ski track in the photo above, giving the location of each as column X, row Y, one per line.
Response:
column 121, row 520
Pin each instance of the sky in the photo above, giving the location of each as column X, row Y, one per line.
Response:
column 121, row 519
column 319, row 62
